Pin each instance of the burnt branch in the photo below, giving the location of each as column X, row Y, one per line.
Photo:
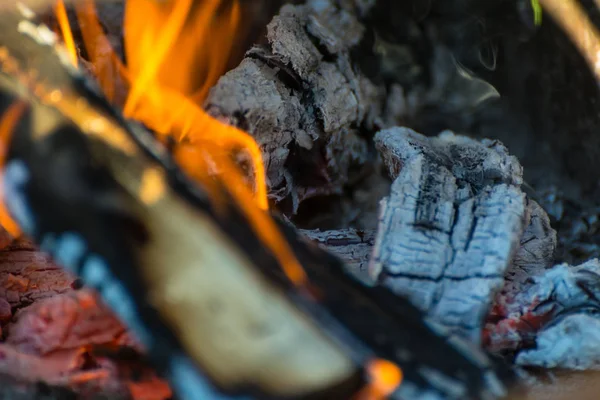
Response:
column 451, row 225
column 303, row 100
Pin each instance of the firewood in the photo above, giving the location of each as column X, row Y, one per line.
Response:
column 301, row 85
column 60, row 341
column 352, row 246
column 303, row 101
column 28, row 275
column 196, row 282
column 451, row 225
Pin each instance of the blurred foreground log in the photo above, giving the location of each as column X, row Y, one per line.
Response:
column 56, row 335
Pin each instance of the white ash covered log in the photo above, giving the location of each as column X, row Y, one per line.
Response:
column 451, row 225
column 552, row 320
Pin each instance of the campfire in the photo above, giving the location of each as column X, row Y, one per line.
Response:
column 321, row 199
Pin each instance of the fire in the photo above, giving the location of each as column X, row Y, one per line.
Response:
column 63, row 21
column 385, row 377
column 175, row 51
column 8, row 122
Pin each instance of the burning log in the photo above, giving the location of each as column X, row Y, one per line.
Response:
column 456, row 234
column 451, row 225
column 475, row 168
column 216, row 290
column 304, row 102
column 530, row 257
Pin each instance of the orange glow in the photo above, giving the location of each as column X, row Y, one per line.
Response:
column 65, row 28
column 88, row 376
column 200, row 165
column 108, row 69
column 176, row 50
column 173, row 59
column 385, row 377
column 183, row 44
column 8, row 124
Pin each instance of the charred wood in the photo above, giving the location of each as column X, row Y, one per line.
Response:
column 352, row 246
column 451, row 225
column 551, row 321
column 341, row 323
column 74, row 342
column 29, row 275
column 304, row 102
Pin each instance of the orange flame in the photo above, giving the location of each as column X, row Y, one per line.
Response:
column 8, row 123
column 176, row 50
column 108, row 69
column 385, row 377
column 65, row 27
column 169, row 70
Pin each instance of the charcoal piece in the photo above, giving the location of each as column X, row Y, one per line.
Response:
column 352, row 246
column 538, row 243
column 536, row 253
column 69, row 321
column 303, row 101
column 451, row 225
column 27, row 276
column 73, row 341
column 552, row 321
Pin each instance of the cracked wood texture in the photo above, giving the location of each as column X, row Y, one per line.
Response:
column 28, row 275
column 63, row 337
column 248, row 278
column 451, row 225
column 352, row 246
column 301, row 98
